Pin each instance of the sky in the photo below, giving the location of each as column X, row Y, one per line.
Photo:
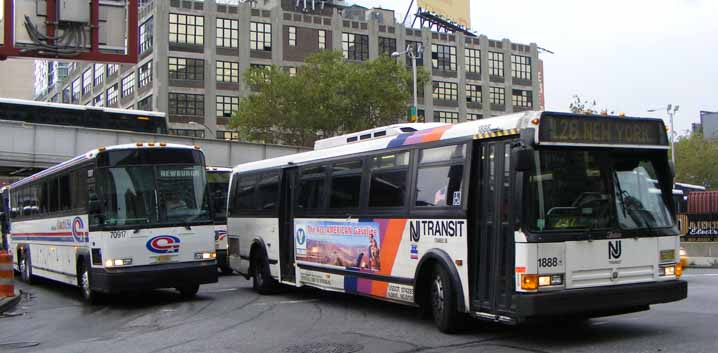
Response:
column 627, row 55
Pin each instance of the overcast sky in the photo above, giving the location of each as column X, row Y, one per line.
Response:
column 628, row 55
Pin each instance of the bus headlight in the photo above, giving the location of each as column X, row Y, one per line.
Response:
column 118, row 262
column 669, row 270
column 550, row 280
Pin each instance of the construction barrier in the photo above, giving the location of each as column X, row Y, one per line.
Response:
column 7, row 288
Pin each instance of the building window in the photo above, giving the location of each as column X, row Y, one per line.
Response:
column 145, row 104
column 355, row 46
column 387, row 46
column 228, row 135
column 292, row 36
column 322, row 39
column 99, row 100
column 414, row 46
column 473, row 116
column 112, row 69
column 128, row 85
column 473, row 94
column 521, row 98
column 260, row 36
column 227, row 71
column 145, row 74
column 186, row 69
column 227, row 33
column 443, row 57
column 497, row 95
column 146, row 35
column 112, row 95
column 186, row 104
column 446, row 117
column 76, row 89
column 226, row 106
column 186, row 29
column 99, row 74
column 521, row 67
column 496, row 64
column 473, row 60
column 447, row 91
column 87, row 81
column 186, row 133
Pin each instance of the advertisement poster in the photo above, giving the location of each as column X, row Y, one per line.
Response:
column 354, row 245
column 702, row 227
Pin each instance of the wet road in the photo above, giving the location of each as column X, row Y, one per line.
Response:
column 229, row 317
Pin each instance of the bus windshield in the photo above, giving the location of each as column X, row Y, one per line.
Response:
column 218, row 188
column 573, row 189
column 144, row 195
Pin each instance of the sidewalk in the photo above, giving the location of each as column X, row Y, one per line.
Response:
column 8, row 303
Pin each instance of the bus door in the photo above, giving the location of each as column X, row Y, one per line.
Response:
column 286, row 225
column 493, row 245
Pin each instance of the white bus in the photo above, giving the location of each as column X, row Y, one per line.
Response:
column 121, row 218
column 218, row 182
column 529, row 215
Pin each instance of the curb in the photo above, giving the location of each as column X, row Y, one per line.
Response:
column 8, row 303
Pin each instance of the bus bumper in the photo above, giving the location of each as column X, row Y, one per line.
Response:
column 171, row 275
column 600, row 301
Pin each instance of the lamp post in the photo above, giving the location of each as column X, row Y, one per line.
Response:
column 205, row 126
column 671, row 111
column 412, row 53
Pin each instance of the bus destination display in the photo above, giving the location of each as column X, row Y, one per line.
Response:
column 602, row 130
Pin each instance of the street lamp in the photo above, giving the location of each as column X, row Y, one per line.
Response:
column 412, row 53
column 205, row 126
column 671, row 111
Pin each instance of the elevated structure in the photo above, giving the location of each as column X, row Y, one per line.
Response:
column 26, row 148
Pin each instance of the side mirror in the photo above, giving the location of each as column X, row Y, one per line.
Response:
column 522, row 158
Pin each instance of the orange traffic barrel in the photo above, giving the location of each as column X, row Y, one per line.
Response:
column 7, row 288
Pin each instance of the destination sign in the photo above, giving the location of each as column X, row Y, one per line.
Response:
column 602, row 130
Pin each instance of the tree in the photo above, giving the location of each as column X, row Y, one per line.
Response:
column 328, row 97
column 579, row 106
column 697, row 160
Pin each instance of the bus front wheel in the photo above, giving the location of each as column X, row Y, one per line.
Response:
column 189, row 291
column 25, row 268
column 262, row 280
column 89, row 295
column 443, row 301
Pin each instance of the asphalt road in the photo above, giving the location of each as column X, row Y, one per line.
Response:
column 229, row 317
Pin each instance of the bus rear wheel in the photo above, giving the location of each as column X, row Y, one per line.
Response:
column 443, row 301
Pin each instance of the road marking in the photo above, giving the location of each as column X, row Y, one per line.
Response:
column 288, row 302
column 223, row 290
column 702, row 274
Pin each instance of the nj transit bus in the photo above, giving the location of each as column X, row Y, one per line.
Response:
column 218, row 182
column 115, row 219
column 529, row 215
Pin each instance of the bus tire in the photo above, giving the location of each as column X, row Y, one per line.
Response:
column 188, row 291
column 226, row 270
column 84, row 281
column 443, row 301
column 262, row 280
column 25, row 266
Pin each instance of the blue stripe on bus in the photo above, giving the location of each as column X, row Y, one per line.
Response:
column 399, row 140
column 350, row 284
column 52, row 239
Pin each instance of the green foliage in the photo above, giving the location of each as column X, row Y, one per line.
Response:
column 328, row 96
column 697, row 160
column 587, row 107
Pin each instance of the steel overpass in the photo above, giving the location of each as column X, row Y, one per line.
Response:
column 26, row 148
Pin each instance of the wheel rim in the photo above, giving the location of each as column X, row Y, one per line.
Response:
column 23, row 269
column 437, row 295
column 85, row 283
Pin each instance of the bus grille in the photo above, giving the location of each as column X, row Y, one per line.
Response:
column 605, row 276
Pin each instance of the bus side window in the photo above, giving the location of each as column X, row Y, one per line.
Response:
column 244, row 199
column 267, row 194
column 388, row 180
column 440, row 177
column 311, row 188
column 346, row 184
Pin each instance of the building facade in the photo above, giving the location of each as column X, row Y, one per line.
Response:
column 49, row 74
column 193, row 54
column 15, row 83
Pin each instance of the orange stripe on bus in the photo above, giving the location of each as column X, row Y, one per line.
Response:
column 387, row 254
column 435, row 134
